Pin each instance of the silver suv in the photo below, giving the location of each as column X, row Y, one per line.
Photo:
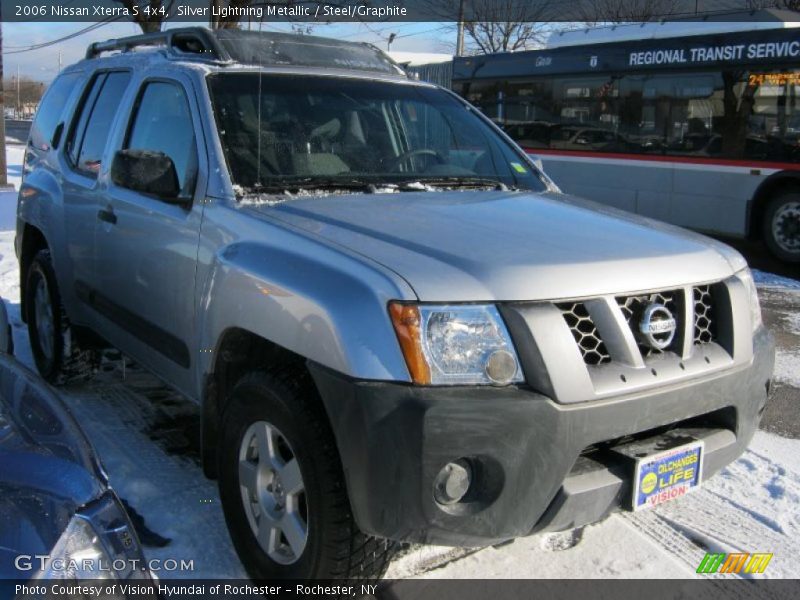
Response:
column 397, row 327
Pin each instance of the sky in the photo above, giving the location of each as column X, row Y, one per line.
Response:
column 43, row 64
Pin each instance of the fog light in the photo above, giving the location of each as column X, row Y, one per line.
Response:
column 452, row 483
column 501, row 367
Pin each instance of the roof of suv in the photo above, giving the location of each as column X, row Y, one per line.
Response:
column 225, row 48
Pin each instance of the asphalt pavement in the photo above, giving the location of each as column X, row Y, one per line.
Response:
column 782, row 415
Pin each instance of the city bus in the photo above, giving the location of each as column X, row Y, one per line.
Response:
column 696, row 124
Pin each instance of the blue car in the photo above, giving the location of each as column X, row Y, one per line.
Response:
column 59, row 519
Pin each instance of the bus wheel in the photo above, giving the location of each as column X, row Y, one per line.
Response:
column 782, row 226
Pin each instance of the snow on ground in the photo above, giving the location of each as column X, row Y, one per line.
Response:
column 142, row 432
column 787, row 367
column 14, row 154
column 770, row 280
column 751, row 506
column 787, row 357
column 146, row 437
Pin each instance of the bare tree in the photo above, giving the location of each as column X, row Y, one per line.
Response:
column 793, row 5
column 488, row 37
column 148, row 14
column 23, row 94
column 232, row 20
column 622, row 11
column 498, row 25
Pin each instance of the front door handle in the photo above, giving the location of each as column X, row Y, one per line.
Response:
column 107, row 215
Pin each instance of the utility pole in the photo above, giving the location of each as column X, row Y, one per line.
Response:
column 460, row 36
column 18, row 106
column 389, row 41
column 3, row 168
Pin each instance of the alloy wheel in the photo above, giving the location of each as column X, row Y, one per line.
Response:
column 273, row 493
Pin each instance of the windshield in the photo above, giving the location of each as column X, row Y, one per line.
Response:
column 284, row 131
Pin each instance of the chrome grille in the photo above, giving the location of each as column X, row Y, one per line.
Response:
column 633, row 309
column 593, row 348
column 704, row 322
column 583, row 329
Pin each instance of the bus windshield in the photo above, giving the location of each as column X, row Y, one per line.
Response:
column 280, row 131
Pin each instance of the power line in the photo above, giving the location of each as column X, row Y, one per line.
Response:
column 92, row 27
column 439, row 28
column 378, row 32
column 45, row 18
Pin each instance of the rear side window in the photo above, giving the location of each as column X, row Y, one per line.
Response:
column 49, row 114
column 163, row 123
column 90, row 134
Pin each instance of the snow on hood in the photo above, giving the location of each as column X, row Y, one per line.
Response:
column 505, row 245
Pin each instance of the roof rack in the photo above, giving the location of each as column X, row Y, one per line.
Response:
column 263, row 49
column 186, row 40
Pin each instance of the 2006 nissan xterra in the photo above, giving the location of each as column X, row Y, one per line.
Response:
column 397, row 327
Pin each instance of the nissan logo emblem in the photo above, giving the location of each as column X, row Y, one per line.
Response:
column 657, row 327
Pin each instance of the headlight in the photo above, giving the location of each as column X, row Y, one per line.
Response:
column 78, row 554
column 98, row 543
column 746, row 277
column 455, row 345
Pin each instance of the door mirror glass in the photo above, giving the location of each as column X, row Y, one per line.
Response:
column 147, row 171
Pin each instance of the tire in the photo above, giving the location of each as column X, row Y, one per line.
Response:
column 58, row 357
column 781, row 227
column 327, row 543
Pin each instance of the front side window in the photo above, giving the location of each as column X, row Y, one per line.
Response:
column 276, row 129
column 162, row 122
column 89, row 135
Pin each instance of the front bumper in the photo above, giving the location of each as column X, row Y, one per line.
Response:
column 534, row 471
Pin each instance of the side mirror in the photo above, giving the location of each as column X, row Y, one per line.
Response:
column 148, row 172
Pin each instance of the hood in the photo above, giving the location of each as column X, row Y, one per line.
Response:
column 48, row 469
column 461, row 246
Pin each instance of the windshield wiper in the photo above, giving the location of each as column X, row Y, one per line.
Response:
column 296, row 185
column 309, row 184
column 453, row 182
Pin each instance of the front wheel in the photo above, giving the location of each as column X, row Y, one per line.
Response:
column 782, row 226
column 283, row 489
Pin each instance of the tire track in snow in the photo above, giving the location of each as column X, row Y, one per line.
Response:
column 730, row 514
column 167, row 488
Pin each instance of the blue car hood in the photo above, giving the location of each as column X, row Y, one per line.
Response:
column 48, row 469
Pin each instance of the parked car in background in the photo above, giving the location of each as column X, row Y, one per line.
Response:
column 55, row 499
column 594, row 138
